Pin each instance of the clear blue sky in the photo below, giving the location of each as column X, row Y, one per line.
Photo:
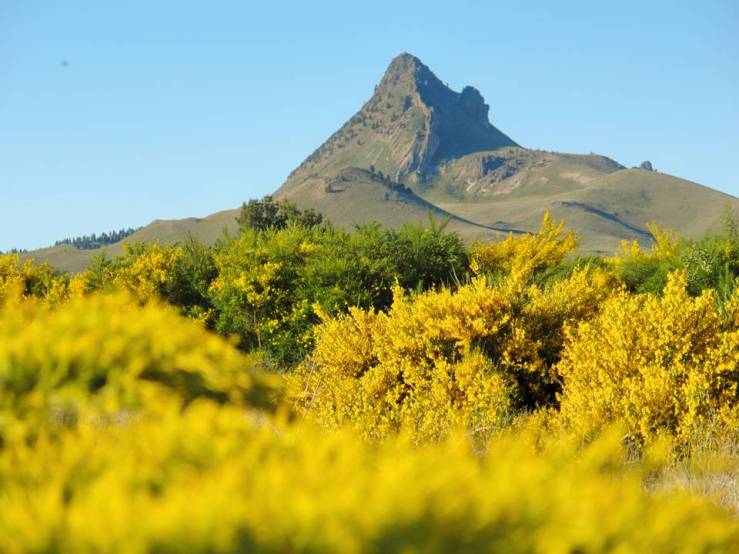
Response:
column 167, row 109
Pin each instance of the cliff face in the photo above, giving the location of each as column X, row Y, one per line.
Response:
column 411, row 124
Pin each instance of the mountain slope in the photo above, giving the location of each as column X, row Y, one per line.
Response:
column 355, row 196
column 607, row 209
column 70, row 259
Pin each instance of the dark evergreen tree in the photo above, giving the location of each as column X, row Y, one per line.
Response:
column 90, row 242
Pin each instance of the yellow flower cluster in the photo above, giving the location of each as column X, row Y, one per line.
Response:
column 20, row 279
column 661, row 364
column 104, row 356
column 210, row 479
column 444, row 357
column 665, row 246
column 522, row 256
column 148, row 273
column 12, row 276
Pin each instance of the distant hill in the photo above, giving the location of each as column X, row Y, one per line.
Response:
column 66, row 257
column 416, row 146
column 355, row 196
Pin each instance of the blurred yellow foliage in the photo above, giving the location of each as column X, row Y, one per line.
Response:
column 485, row 417
column 106, row 356
column 210, row 479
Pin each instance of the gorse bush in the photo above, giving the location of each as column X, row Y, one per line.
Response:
column 105, row 356
column 468, row 356
column 26, row 279
column 380, row 373
column 522, row 257
column 710, row 262
column 146, row 271
column 667, row 363
column 209, row 479
column 179, row 274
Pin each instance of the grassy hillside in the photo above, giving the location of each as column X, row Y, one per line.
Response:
column 513, row 172
column 208, row 229
column 607, row 209
column 356, row 196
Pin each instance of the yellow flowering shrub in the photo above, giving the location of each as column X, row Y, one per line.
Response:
column 535, row 338
column 666, row 241
column 444, row 357
column 664, row 245
column 25, row 278
column 147, row 271
column 667, row 363
column 210, row 479
column 11, row 276
column 105, row 355
column 522, row 256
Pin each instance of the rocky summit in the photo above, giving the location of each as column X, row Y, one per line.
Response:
column 410, row 125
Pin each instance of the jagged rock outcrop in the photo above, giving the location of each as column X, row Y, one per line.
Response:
column 646, row 166
column 473, row 104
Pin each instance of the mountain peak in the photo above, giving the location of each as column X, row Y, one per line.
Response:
column 417, row 132
column 409, row 70
column 403, row 66
column 412, row 123
column 404, row 62
column 406, row 75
